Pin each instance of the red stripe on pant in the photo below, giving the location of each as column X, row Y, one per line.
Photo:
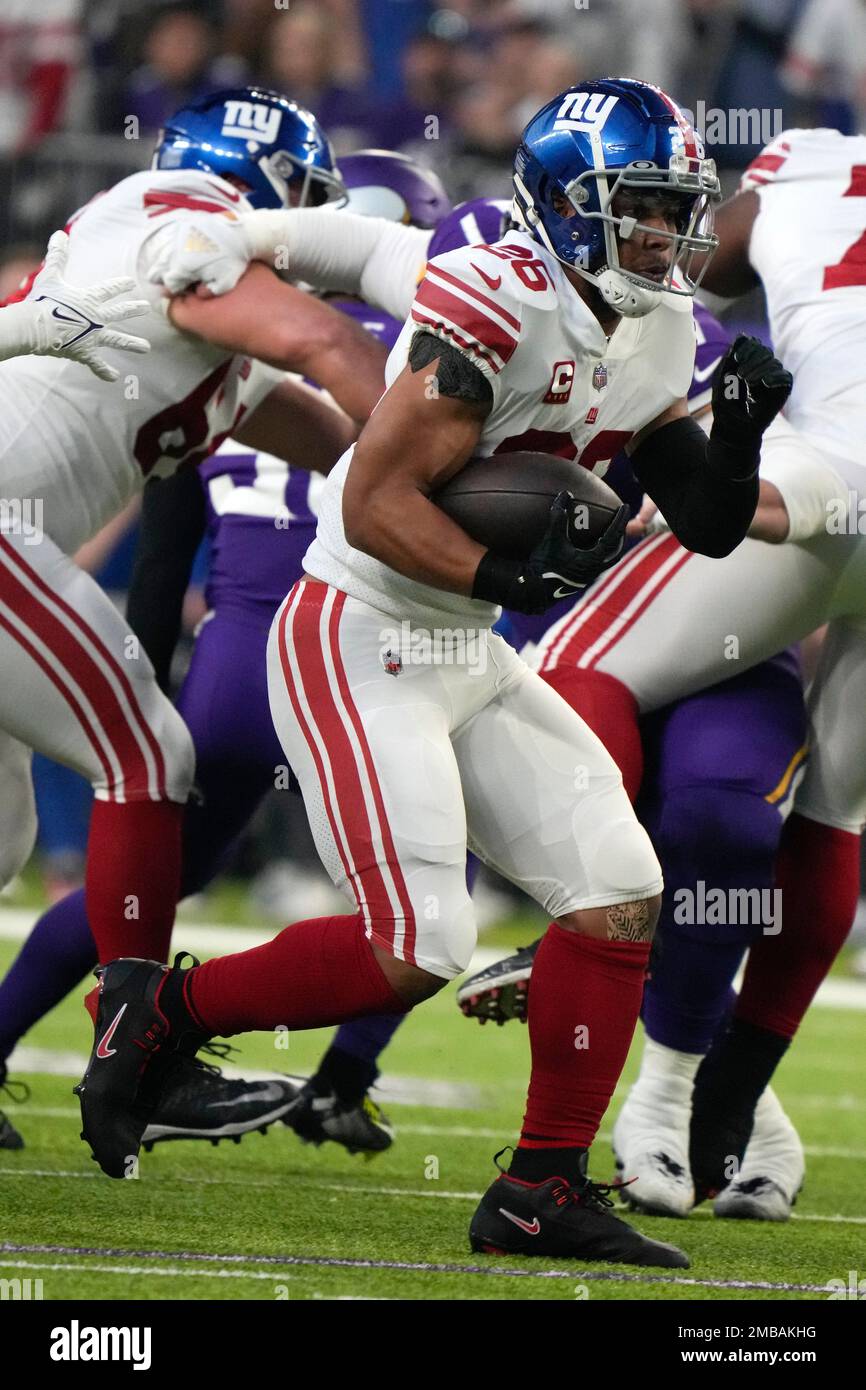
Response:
column 109, row 658
column 296, row 597
column 77, row 663
column 356, row 823
column 657, row 588
column 606, row 606
column 384, row 827
column 26, row 644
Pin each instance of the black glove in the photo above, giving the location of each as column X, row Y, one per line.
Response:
column 749, row 390
column 556, row 568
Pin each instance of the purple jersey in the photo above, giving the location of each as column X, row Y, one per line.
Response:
column 261, row 513
column 713, row 343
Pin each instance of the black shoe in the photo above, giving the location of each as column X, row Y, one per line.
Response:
column 501, row 991
column 142, row 1024
column 556, row 1218
column 9, row 1136
column 717, row 1144
column 360, row 1126
column 198, row 1102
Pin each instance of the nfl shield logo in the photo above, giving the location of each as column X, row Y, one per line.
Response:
column 599, row 377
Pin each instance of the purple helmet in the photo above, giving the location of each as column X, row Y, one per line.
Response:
column 481, row 220
column 382, row 183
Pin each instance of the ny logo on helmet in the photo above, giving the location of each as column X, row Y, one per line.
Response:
column 584, row 111
column 246, row 119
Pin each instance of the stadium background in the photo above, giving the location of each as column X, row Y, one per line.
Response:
column 85, row 85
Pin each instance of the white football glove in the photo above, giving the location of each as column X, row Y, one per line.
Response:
column 208, row 250
column 64, row 320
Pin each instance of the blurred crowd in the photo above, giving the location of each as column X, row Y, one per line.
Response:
column 85, row 84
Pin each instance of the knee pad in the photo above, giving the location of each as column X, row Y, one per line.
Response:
column 444, row 936
column 620, row 861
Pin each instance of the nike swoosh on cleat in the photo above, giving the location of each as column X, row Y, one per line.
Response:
column 532, row 1228
column 488, row 280
column 103, row 1050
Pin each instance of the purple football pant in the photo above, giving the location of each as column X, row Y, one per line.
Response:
column 720, row 773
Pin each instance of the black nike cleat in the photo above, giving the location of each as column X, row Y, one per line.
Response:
column 198, row 1102
column 562, row 1220
column 359, row 1126
column 142, row 1025
column 9, row 1137
column 501, row 991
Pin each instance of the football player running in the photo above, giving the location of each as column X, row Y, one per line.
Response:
column 795, row 226
column 76, row 685
column 259, row 514
column 400, row 775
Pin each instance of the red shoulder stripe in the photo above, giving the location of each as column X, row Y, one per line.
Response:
column 439, row 273
column 466, row 318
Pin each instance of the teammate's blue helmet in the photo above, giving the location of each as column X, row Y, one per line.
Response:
column 258, row 140
column 383, row 183
column 615, row 139
column 480, row 221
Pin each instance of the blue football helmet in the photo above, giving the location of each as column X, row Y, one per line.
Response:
column 383, row 183
column 615, row 139
column 259, row 141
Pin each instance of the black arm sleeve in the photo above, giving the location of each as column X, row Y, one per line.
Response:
column 706, row 490
column 172, row 525
column 456, row 375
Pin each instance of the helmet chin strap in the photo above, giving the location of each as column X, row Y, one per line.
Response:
column 624, row 296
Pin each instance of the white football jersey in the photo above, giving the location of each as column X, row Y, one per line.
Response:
column 560, row 386
column 85, row 447
column 808, row 245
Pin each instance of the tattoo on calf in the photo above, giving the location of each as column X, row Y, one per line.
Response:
column 456, row 376
column 629, row 922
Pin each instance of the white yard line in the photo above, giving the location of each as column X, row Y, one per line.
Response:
column 362, row 1189
column 280, row 1262
column 70, row 1112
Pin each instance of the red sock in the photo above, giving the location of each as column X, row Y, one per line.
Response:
column 133, row 877
column 314, row 973
column 610, row 710
column 818, row 872
column 579, row 983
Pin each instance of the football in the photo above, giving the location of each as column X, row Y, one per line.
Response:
column 504, row 501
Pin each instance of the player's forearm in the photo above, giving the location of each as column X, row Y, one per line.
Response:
column 706, row 490
column 301, row 426
column 370, row 256
column 401, row 527
column 20, row 330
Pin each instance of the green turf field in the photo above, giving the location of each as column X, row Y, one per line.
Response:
column 272, row 1219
